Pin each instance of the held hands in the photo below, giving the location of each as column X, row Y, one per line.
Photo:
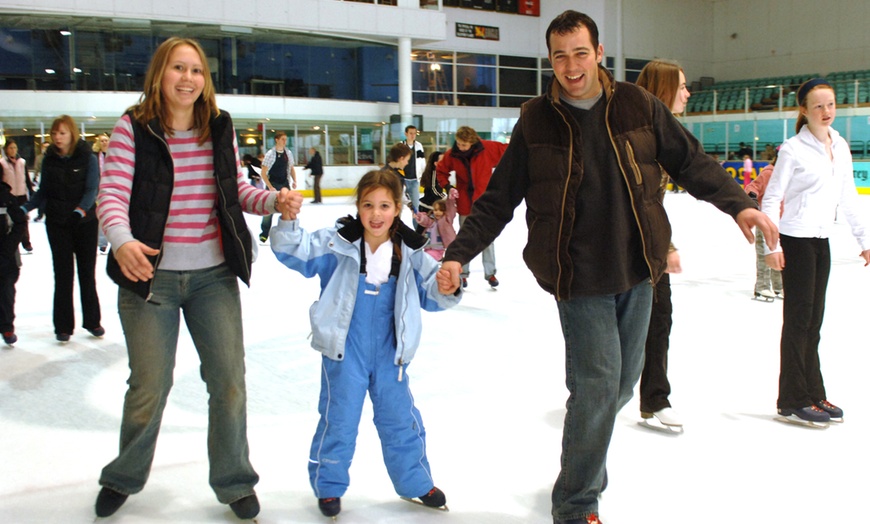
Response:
column 453, row 193
column 133, row 258
column 289, row 203
column 448, row 277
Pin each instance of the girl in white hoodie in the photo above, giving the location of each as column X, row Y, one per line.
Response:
column 814, row 183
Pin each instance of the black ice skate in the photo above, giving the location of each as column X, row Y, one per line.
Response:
column 330, row 507
column 835, row 413
column 810, row 417
column 435, row 499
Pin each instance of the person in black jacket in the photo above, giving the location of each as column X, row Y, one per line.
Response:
column 171, row 202
column 315, row 164
column 68, row 188
column 12, row 226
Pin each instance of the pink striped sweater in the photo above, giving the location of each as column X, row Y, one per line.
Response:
column 191, row 239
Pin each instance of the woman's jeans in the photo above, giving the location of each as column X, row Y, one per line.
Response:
column 209, row 300
column 604, row 351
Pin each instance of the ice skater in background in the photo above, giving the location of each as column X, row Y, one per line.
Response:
column 667, row 82
column 812, row 183
column 438, row 224
column 374, row 279
column 768, row 282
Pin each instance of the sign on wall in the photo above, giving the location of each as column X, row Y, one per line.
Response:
column 480, row 32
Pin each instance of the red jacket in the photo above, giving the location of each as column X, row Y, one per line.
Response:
column 482, row 166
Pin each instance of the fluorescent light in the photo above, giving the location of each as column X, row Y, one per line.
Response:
column 236, row 29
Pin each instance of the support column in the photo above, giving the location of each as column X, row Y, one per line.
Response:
column 405, row 83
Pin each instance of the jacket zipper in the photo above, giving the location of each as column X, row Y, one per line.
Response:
column 564, row 198
column 160, row 251
column 628, row 187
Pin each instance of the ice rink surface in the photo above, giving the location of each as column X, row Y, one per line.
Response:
column 489, row 381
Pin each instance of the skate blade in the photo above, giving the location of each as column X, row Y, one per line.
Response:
column 420, row 503
column 763, row 299
column 656, row 425
column 795, row 421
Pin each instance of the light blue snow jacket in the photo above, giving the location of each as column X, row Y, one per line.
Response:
column 333, row 254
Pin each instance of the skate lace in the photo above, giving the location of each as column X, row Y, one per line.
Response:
column 593, row 519
column 827, row 404
column 817, row 408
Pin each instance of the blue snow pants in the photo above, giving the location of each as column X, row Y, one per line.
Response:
column 368, row 366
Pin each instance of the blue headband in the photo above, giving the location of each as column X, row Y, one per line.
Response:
column 807, row 86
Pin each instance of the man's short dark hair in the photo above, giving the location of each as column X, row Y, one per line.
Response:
column 570, row 21
column 412, row 126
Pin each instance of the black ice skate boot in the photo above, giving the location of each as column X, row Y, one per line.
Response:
column 330, row 507
column 434, row 499
column 832, row 410
column 108, row 502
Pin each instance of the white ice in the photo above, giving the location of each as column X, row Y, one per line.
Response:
column 489, row 381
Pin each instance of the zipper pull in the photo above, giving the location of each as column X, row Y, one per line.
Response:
column 401, row 369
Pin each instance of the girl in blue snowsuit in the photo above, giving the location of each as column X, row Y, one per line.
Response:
column 375, row 279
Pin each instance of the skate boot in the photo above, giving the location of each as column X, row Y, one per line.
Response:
column 10, row 338
column 246, row 508
column 108, row 502
column 780, row 295
column 832, row 410
column 765, row 295
column 330, row 507
column 810, row 416
column 665, row 420
column 435, row 499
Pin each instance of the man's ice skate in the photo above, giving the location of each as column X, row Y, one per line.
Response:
column 764, row 295
column 833, row 411
column 665, row 420
column 435, row 499
column 808, row 417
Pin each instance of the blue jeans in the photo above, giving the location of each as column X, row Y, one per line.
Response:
column 209, row 300
column 488, row 255
column 604, row 351
column 412, row 187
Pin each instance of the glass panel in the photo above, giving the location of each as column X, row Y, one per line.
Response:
column 476, row 80
column 518, row 81
column 518, row 61
column 472, row 59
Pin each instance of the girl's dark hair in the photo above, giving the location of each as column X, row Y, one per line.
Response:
column 398, row 151
column 380, row 178
column 429, row 171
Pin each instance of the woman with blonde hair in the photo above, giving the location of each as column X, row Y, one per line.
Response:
column 666, row 81
column 171, row 201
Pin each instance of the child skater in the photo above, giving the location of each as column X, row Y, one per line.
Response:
column 768, row 282
column 438, row 224
column 375, row 279
column 813, row 182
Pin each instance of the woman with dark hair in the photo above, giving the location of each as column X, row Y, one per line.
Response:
column 68, row 188
column 666, row 81
column 172, row 198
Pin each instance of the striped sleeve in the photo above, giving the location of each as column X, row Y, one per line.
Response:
column 116, row 184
